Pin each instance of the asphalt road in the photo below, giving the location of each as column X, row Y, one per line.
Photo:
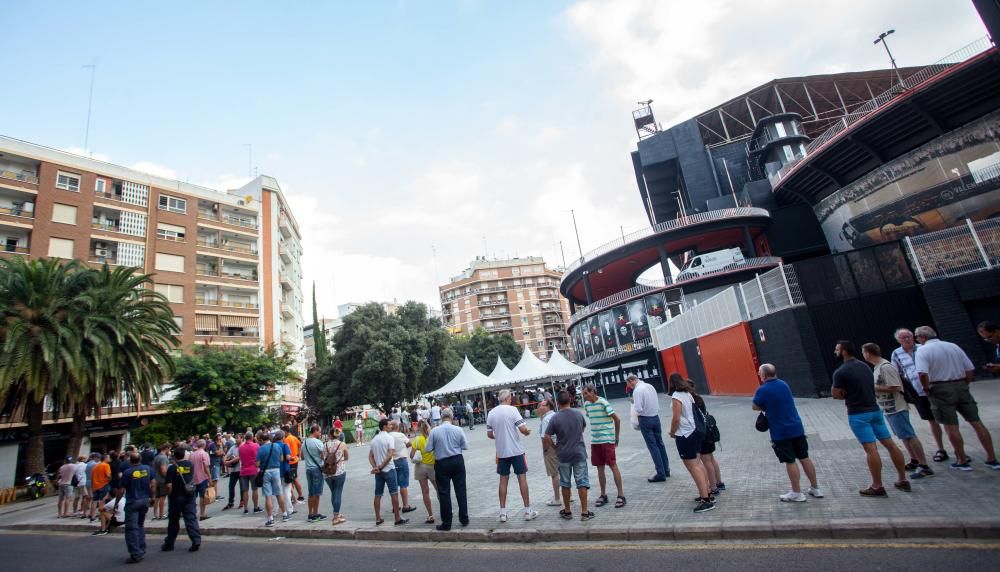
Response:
column 42, row 552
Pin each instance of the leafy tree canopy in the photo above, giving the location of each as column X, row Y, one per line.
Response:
column 482, row 349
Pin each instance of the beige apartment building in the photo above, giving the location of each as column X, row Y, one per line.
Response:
column 519, row 297
column 227, row 261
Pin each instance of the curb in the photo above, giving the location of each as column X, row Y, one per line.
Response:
column 836, row 529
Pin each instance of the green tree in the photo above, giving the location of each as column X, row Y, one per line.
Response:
column 482, row 349
column 229, row 387
column 321, row 349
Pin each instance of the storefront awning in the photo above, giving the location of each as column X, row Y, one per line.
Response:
column 246, row 322
column 206, row 323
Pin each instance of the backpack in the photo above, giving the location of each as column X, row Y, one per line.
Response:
column 330, row 462
column 700, row 423
column 712, row 434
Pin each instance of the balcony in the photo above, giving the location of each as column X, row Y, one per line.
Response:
column 106, row 226
column 499, row 328
column 104, row 195
column 229, row 247
column 19, row 176
column 284, row 225
column 109, row 260
column 285, row 253
column 248, row 338
column 286, row 311
column 19, row 170
column 496, row 302
column 246, row 223
column 13, row 250
column 226, row 304
column 285, row 281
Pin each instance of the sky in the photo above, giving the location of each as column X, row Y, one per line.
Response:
column 411, row 137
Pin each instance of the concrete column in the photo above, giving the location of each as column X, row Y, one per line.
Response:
column 664, row 264
column 586, row 288
column 572, row 307
column 748, row 242
column 8, row 464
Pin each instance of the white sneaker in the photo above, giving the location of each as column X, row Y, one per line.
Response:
column 530, row 514
column 553, row 502
column 792, row 496
column 816, row 492
column 502, row 517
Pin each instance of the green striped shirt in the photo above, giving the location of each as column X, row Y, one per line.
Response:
column 602, row 426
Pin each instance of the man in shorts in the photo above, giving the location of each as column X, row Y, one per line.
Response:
column 788, row 436
column 67, row 486
column 852, row 383
column 269, row 459
column 100, row 484
column 160, row 464
column 112, row 515
column 202, row 464
column 546, row 411
column 605, row 428
column 381, row 458
column 564, row 432
column 904, row 358
column 505, row 425
column 248, row 473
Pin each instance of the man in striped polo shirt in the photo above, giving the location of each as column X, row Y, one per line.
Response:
column 605, row 426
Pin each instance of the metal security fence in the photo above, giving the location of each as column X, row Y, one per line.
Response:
column 972, row 247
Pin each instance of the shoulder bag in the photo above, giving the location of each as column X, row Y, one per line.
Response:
column 258, row 480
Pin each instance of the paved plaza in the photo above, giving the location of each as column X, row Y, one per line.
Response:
column 753, row 478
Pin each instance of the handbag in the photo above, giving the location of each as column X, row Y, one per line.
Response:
column 210, row 495
column 762, row 424
column 634, row 418
column 258, row 480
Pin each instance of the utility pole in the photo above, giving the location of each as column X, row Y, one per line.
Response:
column 885, row 43
column 90, row 106
column 577, row 231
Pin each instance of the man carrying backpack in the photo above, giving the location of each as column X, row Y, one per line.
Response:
column 181, row 501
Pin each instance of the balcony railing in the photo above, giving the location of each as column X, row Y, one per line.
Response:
column 228, row 219
column 226, row 304
column 108, row 196
column 228, row 247
column 106, row 226
column 496, row 328
column 18, row 176
column 499, row 302
column 4, row 248
column 109, row 260
column 17, row 211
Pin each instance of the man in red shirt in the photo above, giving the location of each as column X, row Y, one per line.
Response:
column 202, row 470
column 248, row 472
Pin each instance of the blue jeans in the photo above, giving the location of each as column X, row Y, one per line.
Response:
column 653, row 435
column 336, row 490
column 135, row 534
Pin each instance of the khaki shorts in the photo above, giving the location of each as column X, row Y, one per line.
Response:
column 551, row 462
column 948, row 400
column 422, row 471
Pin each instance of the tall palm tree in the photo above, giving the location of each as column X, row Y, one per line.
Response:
column 39, row 342
column 126, row 334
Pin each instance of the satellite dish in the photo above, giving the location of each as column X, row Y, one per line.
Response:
column 248, row 198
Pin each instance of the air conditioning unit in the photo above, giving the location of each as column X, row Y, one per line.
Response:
column 101, row 252
column 241, row 202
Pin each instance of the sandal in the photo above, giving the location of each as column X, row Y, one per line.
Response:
column 620, row 502
column 940, row 456
column 430, row 520
column 379, row 521
column 565, row 514
column 601, row 500
column 338, row 520
column 587, row 516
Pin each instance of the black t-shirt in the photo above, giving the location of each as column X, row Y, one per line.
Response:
column 117, row 468
column 135, row 481
column 855, row 378
column 178, row 475
column 147, row 456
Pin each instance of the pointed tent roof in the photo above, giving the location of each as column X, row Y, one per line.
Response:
column 469, row 378
column 500, row 371
column 561, row 366
column 529, row 368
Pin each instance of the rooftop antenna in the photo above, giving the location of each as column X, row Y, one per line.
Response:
column 249, row 147
column 90, row 106
column 645, row 123
column 577, row 231
column 486, row 250
column 563, row 253
column 435, row 264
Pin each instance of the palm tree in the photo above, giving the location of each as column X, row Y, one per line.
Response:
column 126, row 334
column 38, row 339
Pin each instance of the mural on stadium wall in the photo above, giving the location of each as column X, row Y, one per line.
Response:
column 594, row 330
column 608, row 330
column 935, row 186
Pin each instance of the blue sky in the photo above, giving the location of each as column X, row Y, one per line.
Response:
column 398, row 126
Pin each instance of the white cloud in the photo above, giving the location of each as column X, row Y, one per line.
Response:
column 508, row 125
column 154, row 169
column 227, row 182
column 84, row 153
column 546, row 136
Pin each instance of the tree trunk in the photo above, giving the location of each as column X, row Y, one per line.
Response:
column 35, row 450
column 76, row 432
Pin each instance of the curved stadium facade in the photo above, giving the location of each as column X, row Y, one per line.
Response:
column 857, row 202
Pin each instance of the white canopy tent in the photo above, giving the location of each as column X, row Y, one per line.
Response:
column 560, row 366
column 468, row 379
column 500, row 371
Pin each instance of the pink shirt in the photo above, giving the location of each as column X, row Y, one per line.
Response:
column 201, row 463
column 248, row 459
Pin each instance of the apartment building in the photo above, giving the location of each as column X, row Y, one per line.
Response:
column 519, row 297
column 228, row 262
column 330, row 327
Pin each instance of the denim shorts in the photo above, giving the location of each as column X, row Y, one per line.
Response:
column 314, row 478
column 402, row 472
column 384, row 478
column 102, row 492
column 214, row 472
column 200, row 488
column 574, row 471
column 272, row 483
column 869, row 427
column 901, row 426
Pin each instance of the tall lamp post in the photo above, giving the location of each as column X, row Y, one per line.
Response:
column 882, row 39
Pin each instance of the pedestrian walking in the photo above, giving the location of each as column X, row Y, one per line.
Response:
column 435, row 414
column 707, row 452
column 446, row 442
column 546, row 411
column 946, row 372
column 248, row 473
column 269, row 458
column 505, row 425
column 688, row 435
column 137, row 489
column 647, row 407
column 400, row 458
column 202, row 463
column 788, row 437
column 359, row 430
column 470, row 411
column 423, row 468
column 312, row 455
column 904, row 358
column 161, row 462
column 181, row 502
column 335, row 457
column 605, row 430
column 852, row 382
column 564, row 433
column 380, row 457
column 889, row 395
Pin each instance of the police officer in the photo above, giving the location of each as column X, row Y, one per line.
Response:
column 136, row 486
column 181, row 502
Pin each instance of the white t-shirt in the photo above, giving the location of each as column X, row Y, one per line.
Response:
column 380, row 445
column 120, row 511
column 942, row 361
column 358, row 424
column 686, row 428
column 81, row 474
column 504, row 421
column 423, row 414
column 399, row 445
column 436, row 412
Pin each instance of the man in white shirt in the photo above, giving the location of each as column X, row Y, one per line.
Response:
column 380, row 456
column 435, row 415
column 945, row 373
column 470, row 414
column 647, row 407
column 503, row 425
column 904, row 358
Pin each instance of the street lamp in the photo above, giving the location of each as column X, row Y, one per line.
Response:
column 882, row 39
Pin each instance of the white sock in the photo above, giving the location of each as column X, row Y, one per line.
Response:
column 527, row 509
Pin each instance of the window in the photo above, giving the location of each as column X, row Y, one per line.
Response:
column 780, row 128
column 170, row 232
column 173, row 204
column 540, row 344
column 68, row 182
column 173, row 292
column 100, row 186
column 65, row 214
column 169, row 262
column 60, row 248
column 179, row 320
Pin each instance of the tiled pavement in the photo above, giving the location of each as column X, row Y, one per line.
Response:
column 752, row 475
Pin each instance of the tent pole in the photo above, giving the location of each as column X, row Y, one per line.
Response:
column 485, row 409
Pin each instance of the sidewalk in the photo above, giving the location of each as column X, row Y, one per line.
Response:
column 949, row 505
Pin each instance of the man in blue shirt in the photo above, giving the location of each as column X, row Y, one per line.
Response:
column 269, row 459
column 138, row 492
column 788, row 436
column 447, row 443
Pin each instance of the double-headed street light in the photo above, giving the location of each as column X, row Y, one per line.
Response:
column 882, row 39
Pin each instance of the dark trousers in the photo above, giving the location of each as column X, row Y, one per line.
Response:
column 448, row 471
column 653, row 435
column 189, row 509
column 234, row 477
column 135, row 533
